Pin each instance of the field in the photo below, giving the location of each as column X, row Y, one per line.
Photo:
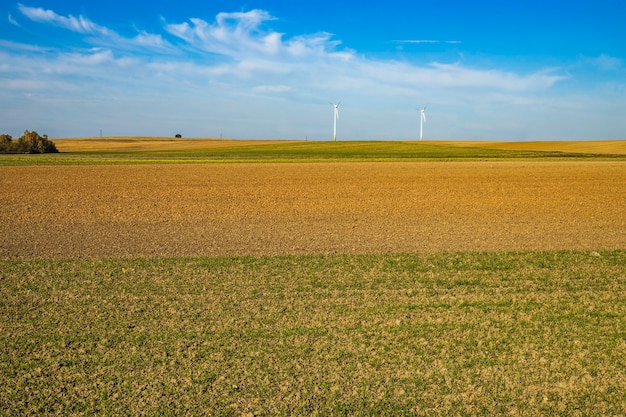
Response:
column 116, row 144
column 295, row 278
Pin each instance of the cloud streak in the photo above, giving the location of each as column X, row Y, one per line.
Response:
column 99, row 35
column 239, row 35
column 78, row 24
column 426, row 41
column 12, row 20
column 605, row 62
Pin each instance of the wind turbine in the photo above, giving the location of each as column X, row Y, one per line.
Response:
column 422, row 119
column 336, row 106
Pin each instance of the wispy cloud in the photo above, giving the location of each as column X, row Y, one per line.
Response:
column 150, row 40
column 425, row 41
column 271, row 89
column 98, row 34
column 605, row 62
column 240, row 35
column 78, row 24
column 12, row 20
column 232, row 34
column 21, row 47
column 456, row 75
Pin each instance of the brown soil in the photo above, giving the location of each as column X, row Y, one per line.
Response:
column 302, row 208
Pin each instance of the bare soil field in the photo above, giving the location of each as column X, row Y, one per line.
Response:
column 170, row 210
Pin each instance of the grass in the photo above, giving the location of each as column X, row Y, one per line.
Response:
column 526, row 333
column 276, row 151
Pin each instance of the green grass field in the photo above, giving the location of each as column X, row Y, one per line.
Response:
column 290, row 151
column 536, row 333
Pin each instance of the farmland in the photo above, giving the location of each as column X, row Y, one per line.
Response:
column 449, row 148
column 171, row 210
column 168, row 150
column 296, row 278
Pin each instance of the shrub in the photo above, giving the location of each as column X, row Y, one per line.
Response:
column 31, row 142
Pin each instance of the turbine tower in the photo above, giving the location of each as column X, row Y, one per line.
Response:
column 336, row 106
column 422, row 119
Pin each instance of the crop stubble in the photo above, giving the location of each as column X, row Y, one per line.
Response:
column 304, row 208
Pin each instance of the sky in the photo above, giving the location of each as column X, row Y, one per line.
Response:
column 489, row 70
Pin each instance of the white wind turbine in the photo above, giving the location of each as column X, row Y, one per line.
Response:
column 422, row 119
column 336, row 106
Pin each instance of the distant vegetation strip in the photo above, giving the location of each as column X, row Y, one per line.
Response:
column 522, row 333
column 290, row 151
column 29, row 143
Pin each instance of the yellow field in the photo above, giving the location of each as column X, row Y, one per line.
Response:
column 616, row 147
column 150, row 144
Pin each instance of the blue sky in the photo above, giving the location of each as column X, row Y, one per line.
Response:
column 489, row 70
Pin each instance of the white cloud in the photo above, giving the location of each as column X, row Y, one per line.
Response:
column 78, row 24
column 12, row 20
column 605, row 62
column 271, row 89
column 150, row 40
column 456, row 75
column 98, row 34
column 425, row 41
column 22, row 84
column 21, row 47
column 417, row 41
column 232, row 33
column 239, row 35
column 97, row 57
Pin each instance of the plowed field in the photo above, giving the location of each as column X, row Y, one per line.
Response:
column 301, row 208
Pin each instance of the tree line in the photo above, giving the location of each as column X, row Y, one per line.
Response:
column 31, row 142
